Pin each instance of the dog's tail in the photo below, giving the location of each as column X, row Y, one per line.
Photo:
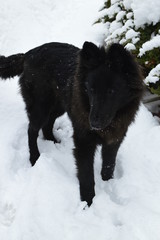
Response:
column 11, row 66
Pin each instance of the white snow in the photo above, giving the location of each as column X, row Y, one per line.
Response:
column 42, row 202
column 154, row 75
column 131, row 34
column 144, row 12
column 149, row 45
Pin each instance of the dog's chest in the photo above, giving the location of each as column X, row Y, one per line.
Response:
column 113, row 134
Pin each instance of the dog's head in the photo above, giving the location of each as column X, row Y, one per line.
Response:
column 111, row 82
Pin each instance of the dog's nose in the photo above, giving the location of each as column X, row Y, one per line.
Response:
column 99, row 123
column 96, row 128
column 95, row 124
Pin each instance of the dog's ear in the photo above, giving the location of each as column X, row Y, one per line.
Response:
column 91, row 55
column 124, row 62
column 119, row 57
column 89, row 50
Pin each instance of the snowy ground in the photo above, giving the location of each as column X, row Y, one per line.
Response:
column 42, row 203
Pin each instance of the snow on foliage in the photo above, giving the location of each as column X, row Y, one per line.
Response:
column 136, row 25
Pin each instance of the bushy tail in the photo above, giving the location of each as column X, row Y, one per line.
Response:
column 11, row 66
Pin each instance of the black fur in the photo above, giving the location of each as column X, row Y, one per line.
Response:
column 100, row 90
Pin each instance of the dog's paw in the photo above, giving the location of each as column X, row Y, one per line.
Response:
column 34, row 158
column 107, row 173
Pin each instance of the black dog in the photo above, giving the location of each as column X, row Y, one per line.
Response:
column 100, row 90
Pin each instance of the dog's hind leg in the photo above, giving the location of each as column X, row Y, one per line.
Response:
column 38, row 115
column 109, row 153
column 32, row 142
column 47, row 129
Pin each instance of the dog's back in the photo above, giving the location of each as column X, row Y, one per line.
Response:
column 52, row 60
column 47, row 70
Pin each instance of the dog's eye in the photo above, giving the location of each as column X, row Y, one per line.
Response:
column 86, row 86
column 110, row 91
column 92, row 89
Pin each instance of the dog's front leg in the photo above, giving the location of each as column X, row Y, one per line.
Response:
column 84, row 154
column 109, row 153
